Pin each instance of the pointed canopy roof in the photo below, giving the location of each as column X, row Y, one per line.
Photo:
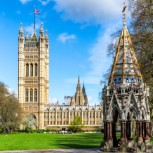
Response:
column 125, row 69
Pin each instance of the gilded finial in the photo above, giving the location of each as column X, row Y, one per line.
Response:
column 46, row 31
column 124, row 13
column 42, row 25
column 21, row 26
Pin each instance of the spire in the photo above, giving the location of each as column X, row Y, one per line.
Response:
column 84, row 90
column 125, row 69
column 42, row 30
column 21, row 33
column 83, row 86
column 78, row 80
column 46, row 36
column 124, row 14
column 21, row 29
column 27, row 37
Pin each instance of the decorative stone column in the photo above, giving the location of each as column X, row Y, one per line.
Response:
column 105, row 130
column 139, row 130
column 147, row 130
column 123, row 130
column 107, row 135
column 129, row 133
column 109, row 131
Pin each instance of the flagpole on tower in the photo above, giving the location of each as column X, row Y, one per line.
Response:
column 34, row 17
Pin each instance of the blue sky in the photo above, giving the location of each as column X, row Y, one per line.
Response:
column 79, row 32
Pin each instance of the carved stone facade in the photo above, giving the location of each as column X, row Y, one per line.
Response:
column 60, row 116
column 33, row 88
column 33, row 74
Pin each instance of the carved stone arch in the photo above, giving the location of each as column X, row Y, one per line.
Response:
column 133, row 102
column 131, row 110
column 33, row 115
column 143, row 113
column 114, row 103
column 114, row 109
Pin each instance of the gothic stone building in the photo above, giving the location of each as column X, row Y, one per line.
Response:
column 33, row 88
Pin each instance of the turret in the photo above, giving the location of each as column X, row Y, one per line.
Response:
column 46, row 36
column 78, row 85
column 27, row 37
column 41, row 30
column 21, row 34
column 85, row 95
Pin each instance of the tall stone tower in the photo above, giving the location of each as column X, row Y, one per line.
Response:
column 33, row 74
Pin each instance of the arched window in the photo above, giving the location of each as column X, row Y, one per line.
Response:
column 26, row 95
column 31, row 69
column 27, row 69
column 36, row 70
column 31, row 95
column 35, row 95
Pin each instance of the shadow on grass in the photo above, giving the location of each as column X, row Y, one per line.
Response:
column 80, row 141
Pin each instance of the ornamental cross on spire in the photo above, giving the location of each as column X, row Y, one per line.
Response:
column 124, row 13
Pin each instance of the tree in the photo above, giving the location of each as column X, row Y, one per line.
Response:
column 76, row 125
column 29, row 122
column 10, row 110
column 142, row 29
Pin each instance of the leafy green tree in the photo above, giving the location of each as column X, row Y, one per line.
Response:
column 10, row 110
column 142, row 29
column 76, row 125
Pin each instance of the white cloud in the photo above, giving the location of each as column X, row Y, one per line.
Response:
column 99, row 60
column 90, row 11
column 30, row 28
column 64, row 37
column 44, row 2
column 25, row 1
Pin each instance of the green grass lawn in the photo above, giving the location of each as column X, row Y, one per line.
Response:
column 49, row 141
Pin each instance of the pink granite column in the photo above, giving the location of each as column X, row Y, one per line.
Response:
column 105, row 130
column 139, row 130
column 147, row 131
column 123, row 130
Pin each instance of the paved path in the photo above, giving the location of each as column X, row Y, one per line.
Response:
column 55, row 151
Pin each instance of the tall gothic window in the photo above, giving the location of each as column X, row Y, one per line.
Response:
column 27, row 69
column 35, row 95
column 26, row 95
column 31, row 95
column 31, row 69
column 36, row 70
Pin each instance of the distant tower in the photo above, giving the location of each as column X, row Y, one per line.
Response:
column 80, row 97
column 33, row 74
column 85, row 95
